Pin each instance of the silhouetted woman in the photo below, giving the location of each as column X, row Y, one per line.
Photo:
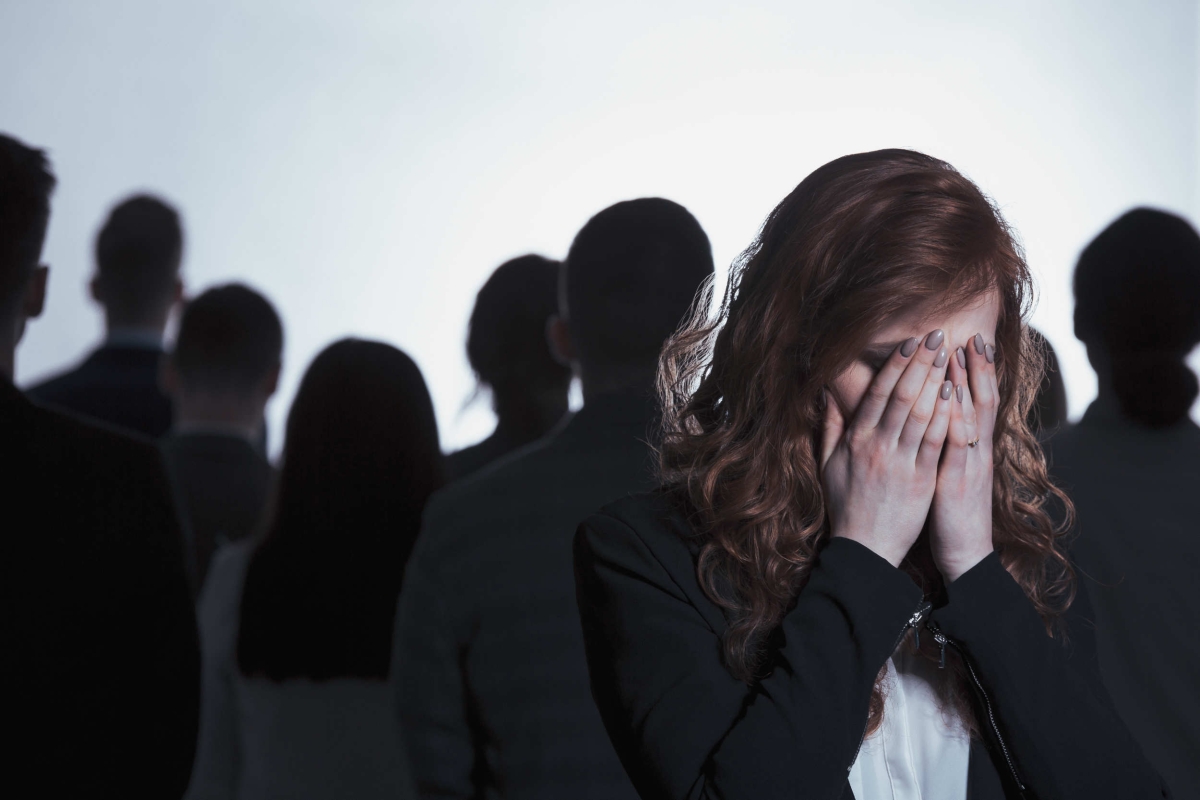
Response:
column 1132, row 466
column 849, row 584
column 296, row 629
column 511, row 357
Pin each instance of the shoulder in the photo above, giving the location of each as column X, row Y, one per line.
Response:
column 61, row 440
column 650, row 525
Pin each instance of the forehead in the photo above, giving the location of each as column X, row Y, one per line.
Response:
column 959, row 322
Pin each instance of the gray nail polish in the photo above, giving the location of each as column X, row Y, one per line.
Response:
column 909, row 347
column 990, row 352
column 962, row 357
column 946, row 390
column 940, row 359
column 934, row 340
column 958, row 392
column 979, row 343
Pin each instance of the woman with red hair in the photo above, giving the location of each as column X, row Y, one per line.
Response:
column 853, row 579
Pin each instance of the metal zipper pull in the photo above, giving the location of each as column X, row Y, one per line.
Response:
column 941, row 640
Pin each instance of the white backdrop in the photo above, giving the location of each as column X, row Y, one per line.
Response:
column 366, row 164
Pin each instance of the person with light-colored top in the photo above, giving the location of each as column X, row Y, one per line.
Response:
column 296, row 624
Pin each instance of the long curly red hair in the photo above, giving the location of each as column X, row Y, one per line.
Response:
column 858, row 241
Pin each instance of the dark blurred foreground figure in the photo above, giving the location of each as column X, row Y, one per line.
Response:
column 1132, row 466
column 138, row 252
column 100, row 658
column 509, row 351
column 1049, row 410
column 224, row 369
column 297, row 628
column 489, row 670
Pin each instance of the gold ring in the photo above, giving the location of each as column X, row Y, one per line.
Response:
column 972, row 444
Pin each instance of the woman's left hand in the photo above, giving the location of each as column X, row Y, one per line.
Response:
column 961, row 514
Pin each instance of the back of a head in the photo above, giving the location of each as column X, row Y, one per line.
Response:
column 230, row 338
column 631, row 276
column 138, row 251
column 1137, row 299
column 506, row 341
column 360, row 461
column 25, row 187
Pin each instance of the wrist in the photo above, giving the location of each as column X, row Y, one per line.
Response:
column 955, row 565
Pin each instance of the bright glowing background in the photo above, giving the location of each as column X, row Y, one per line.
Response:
column 366, row 164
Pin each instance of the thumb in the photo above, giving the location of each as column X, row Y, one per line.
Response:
column 835, row 426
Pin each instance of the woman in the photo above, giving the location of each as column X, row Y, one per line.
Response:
column 296, row 630
column 850, row 582
column 1132, row 465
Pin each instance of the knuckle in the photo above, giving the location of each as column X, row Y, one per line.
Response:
column 920, row 416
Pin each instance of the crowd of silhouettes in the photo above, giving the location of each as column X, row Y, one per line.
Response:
column 373, row 618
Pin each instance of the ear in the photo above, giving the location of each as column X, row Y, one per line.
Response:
column 177, row 292
column 96, row 289
column 168, row 376
column 271, row 381
column 558, row 336
column 34, row 301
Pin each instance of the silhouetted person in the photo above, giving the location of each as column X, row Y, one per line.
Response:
column 138, row 252
column 224, row 369
column 489, row 669
column 1132, row 466
column 297, row 627
column 510, row 354
column 100, row 659
column 1049, row 410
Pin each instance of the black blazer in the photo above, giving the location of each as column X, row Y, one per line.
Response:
column 685, row 728
column 116, row 385
column 221, row 485
column 100, row 657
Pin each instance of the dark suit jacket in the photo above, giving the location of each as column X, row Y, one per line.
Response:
column 116, row 385
column 221, row 485
column 488, row 656
column 686, row 728
column 100, row 653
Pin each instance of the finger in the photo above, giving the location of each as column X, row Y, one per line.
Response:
column 934, row 440
column 930, row 356
column 962, row 426
column 835, row 426
column 921, row 414
column 981, row 374
column 880, row 391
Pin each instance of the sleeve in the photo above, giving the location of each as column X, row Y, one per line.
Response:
column 430, row 690
column 1046, row 693
column 218, row 752
column 682, row 725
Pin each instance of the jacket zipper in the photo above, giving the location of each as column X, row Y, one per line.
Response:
column 914, row 622
column 943, row 640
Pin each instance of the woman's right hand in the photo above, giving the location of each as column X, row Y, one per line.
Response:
column 880, row 470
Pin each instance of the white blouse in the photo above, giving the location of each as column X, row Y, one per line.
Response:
column 920, row 752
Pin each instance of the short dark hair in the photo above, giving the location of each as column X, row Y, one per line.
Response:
column 229, row 338
column 631, row 276
column 25, row 187
column 506, row 337
column 138, row 251
column 1137, row 297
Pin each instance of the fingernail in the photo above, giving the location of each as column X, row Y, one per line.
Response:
column 958, row 392
column 979, row 343
column 990, row 352
column 946, row 390
column 909, row 347
column 940, row 359
column 962, row 357
column 934, row 340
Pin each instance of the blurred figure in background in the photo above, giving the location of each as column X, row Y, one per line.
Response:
column 224, row 369
column 1049, row 410
column 509, row 351
column 100, row 658
column 1132, row 466
column 489, row 669
column 137, row 283
column 296, row 628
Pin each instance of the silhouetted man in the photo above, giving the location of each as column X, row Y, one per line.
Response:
column 137, row 283
column 100, row 656
column 224, row 370
column 510, row 354
column 488, row 663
